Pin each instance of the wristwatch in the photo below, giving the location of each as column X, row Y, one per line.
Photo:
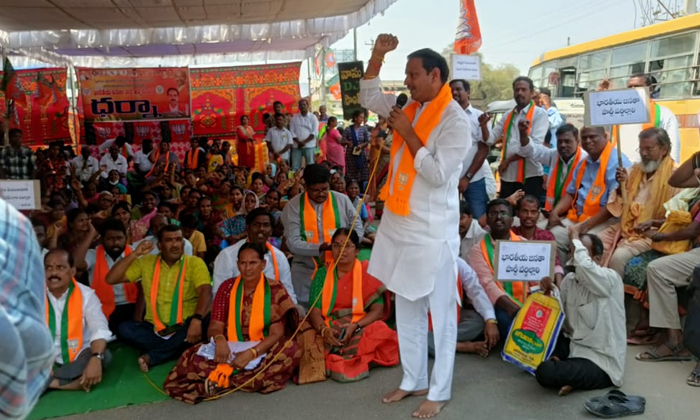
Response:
column 470, row 176
column 358, row 329
column 197, row 316
column 99, row 356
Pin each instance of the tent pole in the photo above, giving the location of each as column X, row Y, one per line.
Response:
column 6, row 115
column 354, row 38
column 308, row 68
column 73, row 80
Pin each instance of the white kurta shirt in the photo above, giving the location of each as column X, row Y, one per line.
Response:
column 85, row 168
column 476, row 137
column 95, row 326
column 91, row 261
column 474, row 291
column 594, row 304
column 302, row 126
column 226, row 267
column 120, row 164
column 409, row 249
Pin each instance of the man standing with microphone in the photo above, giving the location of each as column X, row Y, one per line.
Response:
column 417, row 246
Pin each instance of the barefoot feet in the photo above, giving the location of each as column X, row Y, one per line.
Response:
column 399, row 394
column 429, row 409
column 477, row 347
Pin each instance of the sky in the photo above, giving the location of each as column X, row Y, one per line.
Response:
column 513, row 31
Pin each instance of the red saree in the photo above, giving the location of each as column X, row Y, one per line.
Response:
column 374, row 345
column 186, row 381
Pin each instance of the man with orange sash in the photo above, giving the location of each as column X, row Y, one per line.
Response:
column 563, row 160
column 197, row 155
column 525, row 120
column 310, row 220
column 659, row 117
column 163, row 161
column 259, row 223
column 593, row 180
column 118, row 301
column 177, row 291
column 78, row 327
column 417, row 246
column 506, row 297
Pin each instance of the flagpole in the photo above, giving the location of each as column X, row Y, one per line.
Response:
column 6, row 116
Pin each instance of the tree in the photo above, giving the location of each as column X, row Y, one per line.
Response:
column 496, row 81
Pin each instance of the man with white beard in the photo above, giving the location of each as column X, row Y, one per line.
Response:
column 647, row 191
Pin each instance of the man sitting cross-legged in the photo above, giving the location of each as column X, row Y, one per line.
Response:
column 177, row 290
column 78, row 326
column 590, row 352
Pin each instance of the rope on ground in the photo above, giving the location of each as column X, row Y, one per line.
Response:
column 291, row 339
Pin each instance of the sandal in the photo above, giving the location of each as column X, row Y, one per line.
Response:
column 654, row 356
column 642, row 340
column 694, row 378
column 615, row 404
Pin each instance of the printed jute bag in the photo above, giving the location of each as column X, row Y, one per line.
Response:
column 533, row 334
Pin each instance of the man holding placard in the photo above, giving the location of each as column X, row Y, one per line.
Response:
column 593, row 180
column 659, row 117
column 592, row 354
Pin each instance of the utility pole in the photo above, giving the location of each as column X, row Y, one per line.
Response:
column 354, row 38
column 691, row 7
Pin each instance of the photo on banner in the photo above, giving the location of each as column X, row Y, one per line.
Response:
column 221, row 95
column 134, row 94
column 38, row 105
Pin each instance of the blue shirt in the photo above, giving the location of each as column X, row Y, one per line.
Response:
column 555, row 121
column 589, row 178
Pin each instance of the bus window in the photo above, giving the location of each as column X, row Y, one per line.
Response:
column 670, row 63
column 626, row 61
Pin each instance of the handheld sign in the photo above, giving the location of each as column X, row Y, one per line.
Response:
column 616, row 107
column 467, row 67
column 524, row 260
column 23, row 195
column 349, row 76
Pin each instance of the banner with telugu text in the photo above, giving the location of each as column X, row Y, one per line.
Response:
column 134, row 94
column 39, row 105
column 220, row 96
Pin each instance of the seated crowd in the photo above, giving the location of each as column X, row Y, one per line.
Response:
column 215, row 265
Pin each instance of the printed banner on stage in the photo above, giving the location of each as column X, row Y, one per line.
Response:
column 221, row 96
column 177, row 132
column 134, row 94
column 350, row 75
column 38, row 105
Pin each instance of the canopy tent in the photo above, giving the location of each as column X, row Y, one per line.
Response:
column 139, row 33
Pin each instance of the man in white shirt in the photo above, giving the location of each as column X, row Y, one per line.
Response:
column 470, row 230
column 259, row 224
column 113, row 161
column 661, row 117
column 525, row 120
column 119, row 300
column 82, row 349
column 141, row 162
column 85, row 165
column 304, row 128
column 158, row 222
column 472, row 184
column 476, row 317
column 122, row 145
column 591, row 354
column 279, row 139
column 417, row 245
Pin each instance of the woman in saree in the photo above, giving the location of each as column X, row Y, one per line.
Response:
column 335, row 151
column 347, row 334
column 255, row 313
column 357, row 139
column 381, row 150
column 246, row 143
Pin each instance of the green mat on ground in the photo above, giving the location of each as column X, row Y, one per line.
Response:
column 122, row 384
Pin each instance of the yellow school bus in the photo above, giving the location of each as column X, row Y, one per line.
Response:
column 669, row 51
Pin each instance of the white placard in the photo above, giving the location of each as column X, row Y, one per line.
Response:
column 615, row 107
column 23, row 195
column 467, row 67
column 524, row 260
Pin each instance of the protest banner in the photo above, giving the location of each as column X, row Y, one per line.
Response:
column 467, row 67
column 222, row 95
column 22, row 194
column 534, row 332
column 350, row 75
column 134, row 94
column 38, row 105
column 616, row 107
column 524, row 260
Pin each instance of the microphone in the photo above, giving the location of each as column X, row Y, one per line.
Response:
column 401, row 100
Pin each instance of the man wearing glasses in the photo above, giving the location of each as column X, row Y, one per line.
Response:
column 310, row 220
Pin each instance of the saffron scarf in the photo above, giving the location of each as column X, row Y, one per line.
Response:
column 516, row 290
column 193, row 158
column 661, row 192
column 259, row 321
column 330, row 217
column 155, row 163
column 506, row 135
column 175, row 309
column 396, row 192
column 104, row 291
column 591, row 206
column 71, row 323
column 274, row 261
column 555, row 186
column 330, row 290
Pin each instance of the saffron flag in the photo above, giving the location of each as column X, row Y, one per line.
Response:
column 468, row 38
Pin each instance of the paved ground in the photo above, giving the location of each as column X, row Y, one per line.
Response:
column 483, row 389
